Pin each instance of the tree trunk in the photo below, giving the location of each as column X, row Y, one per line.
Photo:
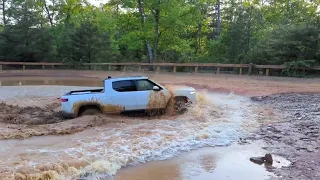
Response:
column 218, row 19
column 117, row 33
column 46, row 9
column 156, row 30
column 199, row 37
column 3, row 7
column 143, row 19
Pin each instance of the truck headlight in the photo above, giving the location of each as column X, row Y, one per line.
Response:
column 192, row 92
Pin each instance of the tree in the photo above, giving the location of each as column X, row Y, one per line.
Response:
column 85, row 44
column 26, row 39
column 229, row 31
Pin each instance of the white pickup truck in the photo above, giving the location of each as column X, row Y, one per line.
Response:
column 126, row 94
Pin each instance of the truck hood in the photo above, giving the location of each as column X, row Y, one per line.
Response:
column 180, row 88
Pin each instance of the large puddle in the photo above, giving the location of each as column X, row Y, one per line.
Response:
column 215, row 120
column 226, row 162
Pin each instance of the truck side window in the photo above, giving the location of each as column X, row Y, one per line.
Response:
column 144, row 85
column 124, row 86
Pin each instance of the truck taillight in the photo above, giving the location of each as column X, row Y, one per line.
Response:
column 64, row 99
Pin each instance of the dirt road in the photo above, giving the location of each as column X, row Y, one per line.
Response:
column 243, row 85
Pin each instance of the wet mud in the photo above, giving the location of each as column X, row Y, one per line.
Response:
column 14, row 114
column 92, row 145
column 19, row 122
column 296, row 136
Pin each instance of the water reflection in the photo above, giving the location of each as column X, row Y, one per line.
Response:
column 230, row 162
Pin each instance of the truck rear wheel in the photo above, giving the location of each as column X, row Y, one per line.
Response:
column 90, row 111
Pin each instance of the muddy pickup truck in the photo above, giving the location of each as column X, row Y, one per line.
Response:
column 126, row 94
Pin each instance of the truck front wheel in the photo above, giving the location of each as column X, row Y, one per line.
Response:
column 180, row 105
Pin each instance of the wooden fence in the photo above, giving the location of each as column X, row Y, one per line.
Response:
column 265, row 69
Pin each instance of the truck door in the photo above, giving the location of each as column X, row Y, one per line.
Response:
column 124, row 94
column 147, row 98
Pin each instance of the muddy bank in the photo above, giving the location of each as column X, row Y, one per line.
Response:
column 22, row 131
column 26, row 117
column 24, row 121
column 30, row 115
column 297, row 136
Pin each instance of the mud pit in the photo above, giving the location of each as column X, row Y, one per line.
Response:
column 100, row 145
column 11, row 114
column 214, row 120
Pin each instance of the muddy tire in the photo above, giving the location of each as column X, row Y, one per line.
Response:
column 90, row 111
column 180, row 105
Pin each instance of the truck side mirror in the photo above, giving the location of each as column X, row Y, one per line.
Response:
column 156, row 88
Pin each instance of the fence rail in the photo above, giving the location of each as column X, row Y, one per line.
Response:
column 240, row 67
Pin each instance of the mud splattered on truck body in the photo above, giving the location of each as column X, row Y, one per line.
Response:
column 105, row 108
column 157, row 100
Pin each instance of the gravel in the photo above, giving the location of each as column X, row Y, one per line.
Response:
column 297, row 136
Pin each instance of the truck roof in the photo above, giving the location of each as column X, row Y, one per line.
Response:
column 126, row 78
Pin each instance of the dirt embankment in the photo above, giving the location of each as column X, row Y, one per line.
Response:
column 26, row 121
column 38, row 116
column 30, row 115
column 297, row 136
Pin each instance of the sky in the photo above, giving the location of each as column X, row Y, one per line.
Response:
column 97, row 2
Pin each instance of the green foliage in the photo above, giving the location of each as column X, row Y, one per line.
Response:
column 249, row 31
column 289, row 43
column 85, row 44
column 296, row 68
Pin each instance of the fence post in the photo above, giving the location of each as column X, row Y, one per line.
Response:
column 267, row 72
column 250, row 69
column 109, row 67
column 124, row 68
column 42, row 66
column 240, row 71
column 158, row 68
column 23, row 67
column 139, row 68
column 174, row 69
column 196, row 69
column 218, row 70
column 0, row 67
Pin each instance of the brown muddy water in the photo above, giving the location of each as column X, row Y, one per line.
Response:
column 196, row 145
column 228, row 162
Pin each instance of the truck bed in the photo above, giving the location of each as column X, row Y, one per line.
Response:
column 85, row 91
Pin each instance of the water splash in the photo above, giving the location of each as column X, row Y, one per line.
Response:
column 213, row 121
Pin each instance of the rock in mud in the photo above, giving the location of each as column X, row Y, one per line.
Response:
column 260, row 160
column 257, row 98
column 268, row 158
column 257, row 160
